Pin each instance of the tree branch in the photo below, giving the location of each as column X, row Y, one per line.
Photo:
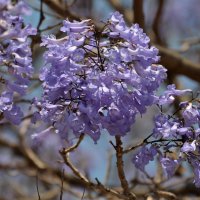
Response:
column 65, row 155
column 120, row 169
column 59, row 9
column 157, row 20
column 138, row 13
column 177, row 64
column 42, row 17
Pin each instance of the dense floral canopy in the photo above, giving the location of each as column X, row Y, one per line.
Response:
column 97, row 79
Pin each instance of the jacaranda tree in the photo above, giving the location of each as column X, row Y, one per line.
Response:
column 96, row 78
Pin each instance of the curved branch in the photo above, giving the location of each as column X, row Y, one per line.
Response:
column 65, row 155
column 177, row 64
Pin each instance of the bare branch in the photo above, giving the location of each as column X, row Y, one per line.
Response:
column 65, row 155
column 157, row 21
column 188, row 43
column 137, row 145
column 38, row 193
column 75, row 146
column 138, row 13
column 42, row 17
column 62, row 181
column 59, row 9
column 133, row 147
column 166, row 194
column 83, row 194
column 177, row 64
column 120, row 169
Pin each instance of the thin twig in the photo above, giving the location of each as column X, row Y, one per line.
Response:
column 62, row 181
column 45, row 12
column 137, row 145
column 42, row 17
column 133, row 147
column 72, row 148
column 38, row 193
column 83, row 194
column 50, row 27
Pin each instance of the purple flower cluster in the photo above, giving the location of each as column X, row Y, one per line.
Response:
column 15, row 57
column 98, row 79
column 175, row 136
column 144, row 156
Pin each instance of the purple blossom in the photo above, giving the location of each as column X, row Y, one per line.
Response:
column 169, row 166
column 76, row 27
column 196, row 167
column 13, row 115
column 191, row 115
column 164, row 127
column 144, row 156
column 94, row 83
column 171, row 127
column 189, row 147
column 169, row 95
column 15, row 56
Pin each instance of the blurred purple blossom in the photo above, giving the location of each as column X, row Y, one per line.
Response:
column 15, row 57
column 169, row 165
column 144, row 156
